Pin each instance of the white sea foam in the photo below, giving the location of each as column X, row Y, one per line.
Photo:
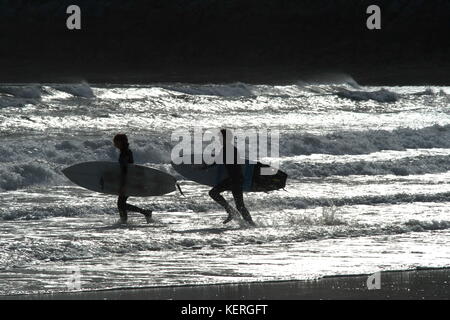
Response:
column 362, row 142
column 39, row 161
column 224, row 90
column 400, row 167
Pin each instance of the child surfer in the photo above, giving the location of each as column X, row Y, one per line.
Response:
column 126, row 157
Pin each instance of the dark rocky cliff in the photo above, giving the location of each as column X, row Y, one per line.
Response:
column 225, row 40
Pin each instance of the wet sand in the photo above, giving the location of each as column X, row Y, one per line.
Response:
column 415, row 284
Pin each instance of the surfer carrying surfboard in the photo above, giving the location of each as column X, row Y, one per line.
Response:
column 126, row 157
column 234, row 181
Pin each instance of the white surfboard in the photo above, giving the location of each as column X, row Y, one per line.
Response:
column 104, row 177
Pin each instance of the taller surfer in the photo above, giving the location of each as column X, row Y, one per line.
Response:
column 234, row 181
column 126, row 157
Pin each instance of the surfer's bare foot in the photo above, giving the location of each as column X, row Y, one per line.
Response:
column 123, row 217
column 229, row 218
column 231, row 214
column 251, row 222
column 247, row 217
column 123, row 220
column 148, row 215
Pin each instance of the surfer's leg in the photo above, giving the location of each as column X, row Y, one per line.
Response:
column 146, row 213
column 215, row 194
column 122, row 206
column 132, row 208
column 239, row 200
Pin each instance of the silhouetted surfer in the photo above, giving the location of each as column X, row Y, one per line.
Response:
column 126, row 157
column 234, row 182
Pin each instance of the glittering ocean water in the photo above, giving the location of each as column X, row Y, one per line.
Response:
column 368, row 187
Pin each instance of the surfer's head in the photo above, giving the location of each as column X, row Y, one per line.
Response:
column 121, row 141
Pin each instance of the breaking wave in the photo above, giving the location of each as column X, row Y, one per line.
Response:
column 19, row 95
column 20, row 91
column 16, row 176
column 357, row 142
column 399, row 167
column 381, row 95
column 82, row 90
column 40, row 162
column 237, row 89
column 29, row 162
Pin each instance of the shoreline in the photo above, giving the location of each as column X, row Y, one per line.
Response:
column 418, row 284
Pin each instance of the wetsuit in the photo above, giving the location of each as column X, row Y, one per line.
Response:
column 233, row 183
column 125, row 158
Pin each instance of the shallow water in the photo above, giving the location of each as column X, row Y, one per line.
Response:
column 368, row 186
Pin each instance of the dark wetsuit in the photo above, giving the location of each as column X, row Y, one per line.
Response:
column 125, row 158
column 233, row 183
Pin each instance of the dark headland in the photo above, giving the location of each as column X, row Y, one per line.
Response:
column 255, row 41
